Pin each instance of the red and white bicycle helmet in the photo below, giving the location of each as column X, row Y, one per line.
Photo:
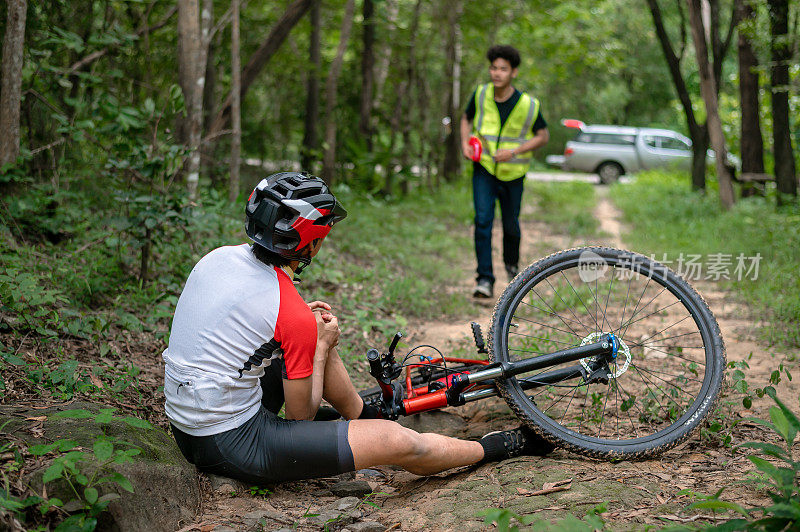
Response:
column 288, row 211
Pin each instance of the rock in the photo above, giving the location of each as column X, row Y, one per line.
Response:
column 366, row 526
column 254, row 518
column 342, row 512
column 166, row 489
column 226, row 485
column 351, row 488
column 371, row 473
column 328, row 519
column 345, row 503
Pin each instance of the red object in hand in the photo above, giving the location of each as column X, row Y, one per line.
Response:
column 477, row 148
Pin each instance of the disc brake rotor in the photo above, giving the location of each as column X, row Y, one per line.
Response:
column 620, row 364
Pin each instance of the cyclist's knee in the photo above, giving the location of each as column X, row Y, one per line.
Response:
column 407, row 443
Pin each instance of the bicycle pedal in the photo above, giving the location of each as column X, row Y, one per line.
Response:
column 478, row 336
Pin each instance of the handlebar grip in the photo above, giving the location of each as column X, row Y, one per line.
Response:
column 375, row 367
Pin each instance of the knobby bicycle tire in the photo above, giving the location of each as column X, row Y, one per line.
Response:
column 662, row 385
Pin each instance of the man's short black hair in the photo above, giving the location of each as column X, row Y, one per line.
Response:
column 268, row 257
column 504, row 51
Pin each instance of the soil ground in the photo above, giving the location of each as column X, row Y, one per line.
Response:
column 651, row 492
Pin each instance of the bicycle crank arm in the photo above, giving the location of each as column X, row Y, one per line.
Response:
column 607, row 346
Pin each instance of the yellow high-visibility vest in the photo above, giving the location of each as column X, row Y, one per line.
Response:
column 515, row 131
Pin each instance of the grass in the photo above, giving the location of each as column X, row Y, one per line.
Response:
column 390, row 262
column 666, row 217
column 568, row 207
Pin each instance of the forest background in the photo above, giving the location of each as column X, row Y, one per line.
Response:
column 131, row 130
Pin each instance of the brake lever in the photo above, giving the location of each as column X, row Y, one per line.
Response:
column 393, row 345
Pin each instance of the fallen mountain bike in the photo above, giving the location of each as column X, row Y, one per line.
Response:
column 601, row 351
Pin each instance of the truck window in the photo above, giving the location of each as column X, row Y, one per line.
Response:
column 671, row 143
column 613, row 138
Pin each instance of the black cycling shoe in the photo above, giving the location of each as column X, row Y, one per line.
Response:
column 504, row 444
column 535, row 445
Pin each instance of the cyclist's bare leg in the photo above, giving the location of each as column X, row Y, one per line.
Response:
column 337, row 388
column 382, row 442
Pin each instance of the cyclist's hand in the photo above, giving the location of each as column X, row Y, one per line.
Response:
column 327, row 329
column 503, row 155
column 319, row 305
column 467, row 151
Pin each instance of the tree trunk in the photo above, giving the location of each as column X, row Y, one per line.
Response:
column 781, row 55
column 310, row 152
column 409, row 101
column 752, row 142
column 699, row 155
column 709, row 91
column 329, row 155
column 207, row 161
column 452, row 155
column 11, row 85
column 382, row 71
column 236, row 115
column 367, row 67
column 696, row 131
column 192, row 46
column 260, row 58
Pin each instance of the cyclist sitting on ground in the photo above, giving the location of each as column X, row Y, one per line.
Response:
column 243, row 344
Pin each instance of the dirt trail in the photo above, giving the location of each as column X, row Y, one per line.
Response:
column 636, row 493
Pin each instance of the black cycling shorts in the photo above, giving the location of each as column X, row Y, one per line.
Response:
column 268, row 449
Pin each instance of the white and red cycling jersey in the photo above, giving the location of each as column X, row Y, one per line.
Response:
column 234, row 317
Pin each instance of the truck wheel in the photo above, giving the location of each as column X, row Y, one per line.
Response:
column 609, row 172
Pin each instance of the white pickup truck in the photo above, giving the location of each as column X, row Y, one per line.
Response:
column 611, row 151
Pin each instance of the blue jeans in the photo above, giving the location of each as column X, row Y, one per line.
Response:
column 486, row 190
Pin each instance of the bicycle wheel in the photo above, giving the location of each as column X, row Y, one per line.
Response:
column 668, row 371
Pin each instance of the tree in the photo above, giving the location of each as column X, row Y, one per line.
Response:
column 781, row 55
column 708, row 88
column 752, row 142
column 698, row 132
column 329, row 154
column 10, row 89
column 291, row 16
column 192, row 52
column 236, row 115
column 308, row 153
column 367, row 75
column 452, row 156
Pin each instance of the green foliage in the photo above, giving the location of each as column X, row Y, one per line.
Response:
column 779, row 481
column 666, row 217
column 84, row 474
column 503, row 518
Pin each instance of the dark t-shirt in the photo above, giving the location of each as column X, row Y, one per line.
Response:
column 504, row 108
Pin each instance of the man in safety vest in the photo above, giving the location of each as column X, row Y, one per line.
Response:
column 509, row 125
